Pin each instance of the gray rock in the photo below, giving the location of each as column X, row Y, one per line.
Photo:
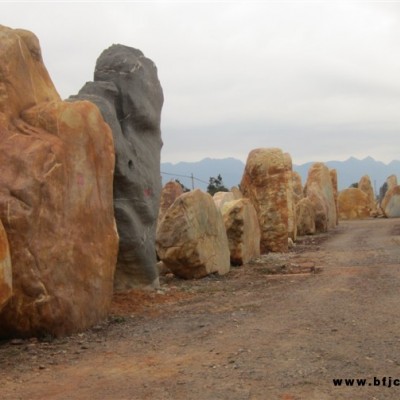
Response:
column 128, row 93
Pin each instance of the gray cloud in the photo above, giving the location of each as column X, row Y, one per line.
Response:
column 318, row 79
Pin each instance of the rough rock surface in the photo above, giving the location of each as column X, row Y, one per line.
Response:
column 191, row 239
column 334, row 180
column 391, row 182
column 391, row 203
column 5, row 268
column 305, row 217
column 366, row 186
column 291, row 203
column 243, row 231
column 237, row 194
column 129, row 95
column 170, row 192
column 353, row 204
column 320, row 191
column 264, row 182
column 220, row 198
column 57, row 162
column 297, row 187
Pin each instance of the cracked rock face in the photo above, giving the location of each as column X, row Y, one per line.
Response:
column 57, row 163
column 129, row 95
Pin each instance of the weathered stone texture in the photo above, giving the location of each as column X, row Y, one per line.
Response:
column 264, row 182
column 297, row 187
column 291, row 204
column 320, row 191
column 57, row 163
column 391, row 203
column 243, row 230
column 129, row 95
column 334, row 180
column 366, row 186
column 5, row 268
column 237, row 194
column 391, row 182
column 305, row 217
column 170, row 192
column 191, row 239
column 221, row 198
column 353, row 204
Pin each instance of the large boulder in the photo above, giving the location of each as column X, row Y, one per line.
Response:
column 319, row 189
column 366, row 186
column 305, row 217
column 57, row 163
column 334, row 180
column 5, row 268
column 353, row 204
column 264, row 182
column 243, row 230
column 297, row 187
column 291, row 202
column 391, row 182
column 391, row 203
column 191, row 239
column 170, row 192
column 129, row 95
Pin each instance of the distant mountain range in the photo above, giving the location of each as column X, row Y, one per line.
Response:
column 231, row 170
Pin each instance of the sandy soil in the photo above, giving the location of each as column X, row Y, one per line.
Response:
column 281, row 328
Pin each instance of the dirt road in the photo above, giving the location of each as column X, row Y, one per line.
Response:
column 248, row 335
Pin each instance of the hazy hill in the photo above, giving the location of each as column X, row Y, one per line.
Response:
column 231, row 170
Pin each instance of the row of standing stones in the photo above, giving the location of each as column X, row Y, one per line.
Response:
column 80, row 195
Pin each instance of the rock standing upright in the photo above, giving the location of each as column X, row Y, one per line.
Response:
column 56, row 205
column 264, row 182
column 129, row 95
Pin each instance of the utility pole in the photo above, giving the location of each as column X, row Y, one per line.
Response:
column 191, row 175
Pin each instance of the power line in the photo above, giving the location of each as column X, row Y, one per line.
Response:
column 185, row 176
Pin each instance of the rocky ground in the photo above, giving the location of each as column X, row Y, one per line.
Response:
column 281, row 328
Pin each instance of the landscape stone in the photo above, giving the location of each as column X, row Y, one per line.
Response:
column 366, row 186
column 305, row 217
column 291, row 204
column 57, row 162
column 237, row 194
column 334, row 180
column 297, row 187
column 319, row 189
column 242, row 229
column 191, row 239
column 391, row 181
column 5, row 268
column 129, row 95
column 170, row 192
column 353, row 204
column 391, row 203
column 264, row 182
column 220, row 198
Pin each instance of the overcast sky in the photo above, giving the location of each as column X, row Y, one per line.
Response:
column 319, row 79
